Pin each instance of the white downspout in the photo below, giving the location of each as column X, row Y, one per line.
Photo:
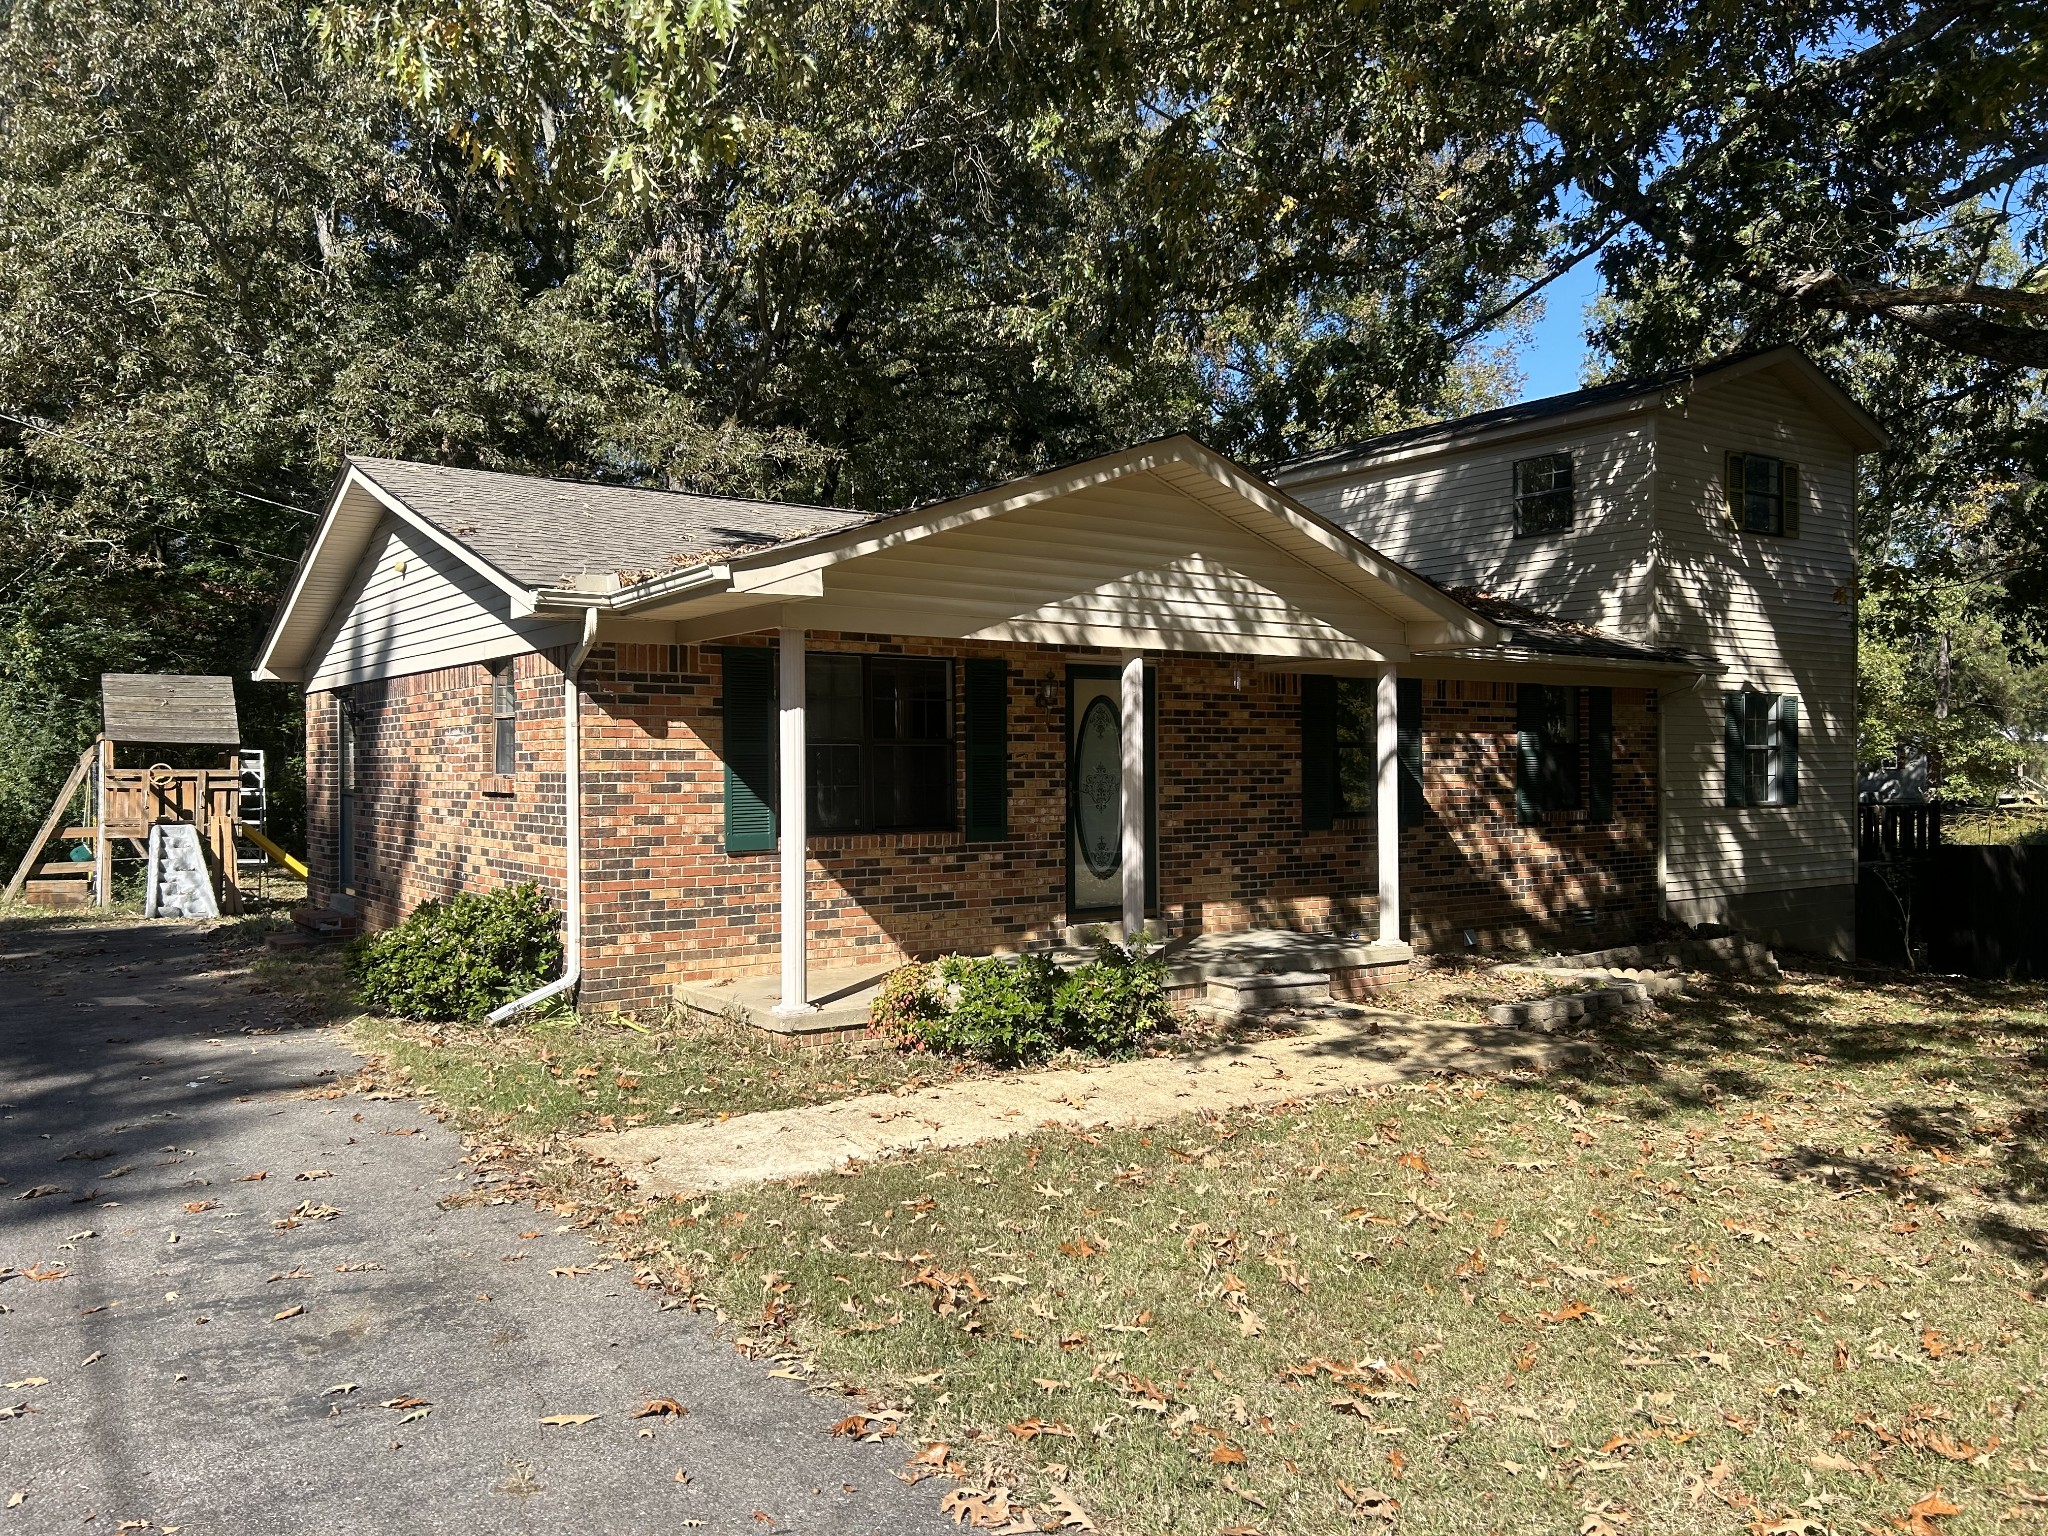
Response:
column 572, row 832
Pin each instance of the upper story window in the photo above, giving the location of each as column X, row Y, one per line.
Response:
column 504, row 721
column 1543, row 494
column 1762, row 748
column 1763, row 495
column 880, row 733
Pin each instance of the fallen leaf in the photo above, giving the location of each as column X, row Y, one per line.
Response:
column 570, row 1418
column 1227, row 1455
column 314, row 1173
column 20, row 1496
column 39, row 1191
column 40, row 1272
column 194, row 1207
column 660, row 1408
column 1926, row 1509
column 254, row 1178
column 294, row 1311
column 1072, row 1516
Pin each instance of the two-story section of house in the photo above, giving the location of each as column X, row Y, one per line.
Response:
column 1712, row 510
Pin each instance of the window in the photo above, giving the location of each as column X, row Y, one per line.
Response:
column 1543, row 494
column 1762, row 731
column 880, row 737
column 1340, row 748
column 1763, row 495
column 505, row 721
column 1564, row 752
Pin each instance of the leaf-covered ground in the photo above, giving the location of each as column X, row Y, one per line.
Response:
column 1771, row 1260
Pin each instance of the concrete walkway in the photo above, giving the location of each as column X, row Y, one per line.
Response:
column 240, row 1299
column 1340, row 1051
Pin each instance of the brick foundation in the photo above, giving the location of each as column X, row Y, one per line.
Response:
column 664, row 901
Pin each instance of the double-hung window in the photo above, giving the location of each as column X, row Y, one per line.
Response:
column 1762, row 747
column 1543, row 494
column 1564, row 743
column 1340, row 749
column 504, row 721
column 1763, row 495
column 880, row 736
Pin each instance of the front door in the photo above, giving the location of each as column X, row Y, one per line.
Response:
column 1095, row 735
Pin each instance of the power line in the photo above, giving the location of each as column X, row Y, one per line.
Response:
column 95, row 448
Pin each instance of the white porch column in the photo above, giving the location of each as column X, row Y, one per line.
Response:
column 793, row 814
column 1134, row 850
column 1387, row 804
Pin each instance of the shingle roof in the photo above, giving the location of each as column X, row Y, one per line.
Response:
column 1507, row 415
column 544, row 533
column 1530, row 629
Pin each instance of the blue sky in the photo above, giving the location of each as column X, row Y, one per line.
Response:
column 1554, row 354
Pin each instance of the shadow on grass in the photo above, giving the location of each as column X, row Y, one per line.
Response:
column 1923, row 1052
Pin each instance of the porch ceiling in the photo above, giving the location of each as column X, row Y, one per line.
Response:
column 1170, row 548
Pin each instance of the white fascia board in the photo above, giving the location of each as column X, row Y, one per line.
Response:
column 1480, row 437
column 518, row 592
column 1447, row 610
column 268, row 669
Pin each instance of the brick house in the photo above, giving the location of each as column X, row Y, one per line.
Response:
column 750, row 744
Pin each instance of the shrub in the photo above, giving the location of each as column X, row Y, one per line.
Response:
column 1107, row 1004
column 458, row 959
column 908, row 1005
column 1013, row 1011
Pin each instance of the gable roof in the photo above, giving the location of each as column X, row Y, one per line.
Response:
column 1856, row 424
column 553, row 547
column 548, row 533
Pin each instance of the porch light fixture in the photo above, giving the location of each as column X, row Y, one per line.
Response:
column 1048, row 693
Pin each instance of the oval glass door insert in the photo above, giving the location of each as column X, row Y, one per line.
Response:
column 1098, row 788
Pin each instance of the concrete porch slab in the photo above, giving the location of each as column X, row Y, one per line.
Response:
column 842, row 997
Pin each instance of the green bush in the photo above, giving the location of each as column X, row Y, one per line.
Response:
column 458, row 959
column 1107, row 1005
column 1008, row 1012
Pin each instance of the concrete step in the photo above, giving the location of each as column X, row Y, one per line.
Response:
column 1256, row 993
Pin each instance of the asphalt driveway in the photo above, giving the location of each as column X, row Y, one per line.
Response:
column 237, row 1301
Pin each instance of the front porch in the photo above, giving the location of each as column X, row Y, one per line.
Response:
column 1348, row 966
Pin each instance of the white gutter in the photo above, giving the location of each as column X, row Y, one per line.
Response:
column 572, row 832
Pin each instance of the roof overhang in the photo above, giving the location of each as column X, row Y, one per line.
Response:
column 1829, row 400
column 356, row 508
column 783, row 583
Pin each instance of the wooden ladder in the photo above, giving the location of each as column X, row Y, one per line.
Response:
column 65, row 884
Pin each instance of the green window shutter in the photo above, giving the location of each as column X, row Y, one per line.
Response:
column 1318, row 752
column 1530, row 704
column 988, row 750
column 1737, row 770
column 1736, row 519
column 1408, row 700
column 1788, row 750
column 750, row 732
column 1600, row 754
column 1788, row 484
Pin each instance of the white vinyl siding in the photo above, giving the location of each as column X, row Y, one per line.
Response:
column 1135, row 562
column 415, row 608
column 1451, row 516
column 1778, row 612
column 1654, row 556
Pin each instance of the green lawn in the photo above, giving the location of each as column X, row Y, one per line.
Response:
column 1772, row 1260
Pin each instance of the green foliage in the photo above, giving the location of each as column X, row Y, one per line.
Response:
column 457, row 959
column 1011, row 1012
column 1107, row 1005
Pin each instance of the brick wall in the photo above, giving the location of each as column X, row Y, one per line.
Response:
column 664, row 901
column 430, row 817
